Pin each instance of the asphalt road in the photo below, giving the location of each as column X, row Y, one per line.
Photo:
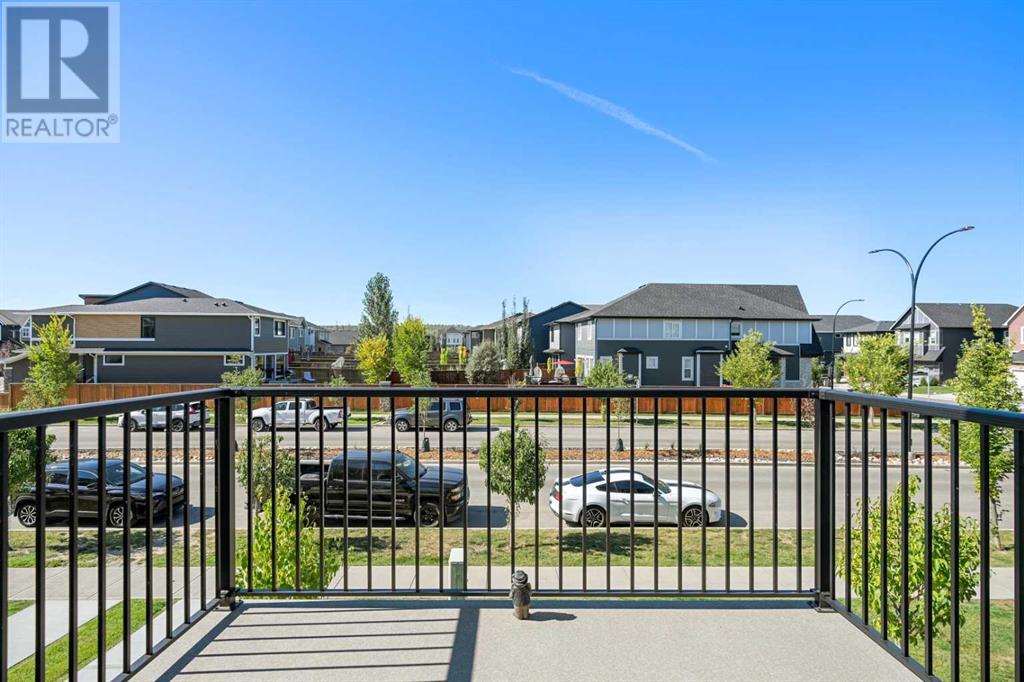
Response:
column 738, row 502
column 572, row 437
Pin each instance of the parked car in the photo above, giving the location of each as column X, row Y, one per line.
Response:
column 137, row 419
column 456, row 416
column 58, row 493
column 609, row 500
column 449, row 497
column 309, row 415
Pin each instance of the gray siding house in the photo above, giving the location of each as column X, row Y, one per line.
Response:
column 941, row 328
column 677, row 334
column 536, row 326
column 162, row 333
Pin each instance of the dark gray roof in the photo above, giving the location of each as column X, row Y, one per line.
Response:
column 582, row 315
column 958, row 315
column 844, row 323
column 13, row 317
column 740, row 301
column 167, row 306
column 514, row 317
column 871, row 327
column 342, row 337
column 932, row 355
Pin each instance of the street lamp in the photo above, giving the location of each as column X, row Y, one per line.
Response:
column 832, row 367
column 914, row 275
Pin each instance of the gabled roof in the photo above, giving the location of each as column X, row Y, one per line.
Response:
column 514, row 318
column 844, row 323
column 172, row 289
column 871, row 328
column 958, row 315
column 591, row 308
column 13, row 317
column 730, row 301
column 175, row 301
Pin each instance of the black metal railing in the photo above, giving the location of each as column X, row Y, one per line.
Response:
column 944, row 556
column 339, row 491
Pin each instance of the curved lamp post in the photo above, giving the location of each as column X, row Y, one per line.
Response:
column 832, row 367
column 914, row 275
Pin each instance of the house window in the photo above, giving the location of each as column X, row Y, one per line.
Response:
column 294, row 331
column 26, row 331
column 256, row 327
column 590, row 331
column 113, row 360
column 673, row 329
column 933, row 337
column 793, row 368
column 279, row 329
column 688, row 368
column 651, row 362
column 579, row 332
column 234, row 360
column 148, row 327
column 604, row 358
column 734, row 328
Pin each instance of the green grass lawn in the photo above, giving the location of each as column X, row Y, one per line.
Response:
column 1001, row 642
column 88, row 644
column 16, row 605
column 405, row 549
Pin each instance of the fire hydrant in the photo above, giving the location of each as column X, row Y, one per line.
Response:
column 520, row 594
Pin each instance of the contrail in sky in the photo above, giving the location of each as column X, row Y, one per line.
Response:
column 611, row 109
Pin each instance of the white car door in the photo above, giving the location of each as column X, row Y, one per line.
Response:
column 619, row 500
column 643, row 501
column 285, row 412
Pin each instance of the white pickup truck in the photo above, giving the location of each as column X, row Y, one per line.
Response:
column 284, row 416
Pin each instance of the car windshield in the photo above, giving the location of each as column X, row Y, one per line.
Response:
column 115, row 473
column 407, row 466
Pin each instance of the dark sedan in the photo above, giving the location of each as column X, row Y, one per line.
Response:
column 58, row 493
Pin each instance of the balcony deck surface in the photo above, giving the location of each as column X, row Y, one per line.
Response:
column 434, row 639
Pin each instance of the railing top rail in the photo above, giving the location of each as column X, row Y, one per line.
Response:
column 57, row 415
column 929, row 408
column 500, row 391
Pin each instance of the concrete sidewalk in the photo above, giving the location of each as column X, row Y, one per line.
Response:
column 480, row 640
column 22, row 580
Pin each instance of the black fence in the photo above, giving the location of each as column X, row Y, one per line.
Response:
column 786, row 493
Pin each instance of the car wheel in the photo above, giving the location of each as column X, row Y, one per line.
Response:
column 401, row 425
column 451, row 425
column 133, row 425
column 693, row 517
column 259, row 425
column 428, row 515
column 177, row 425
column 118, row 515
column 28, row 514
column 320, row 424
column 595, row 517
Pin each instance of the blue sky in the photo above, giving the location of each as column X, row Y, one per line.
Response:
column 281, row 153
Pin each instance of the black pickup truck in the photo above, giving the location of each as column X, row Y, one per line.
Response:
column 378, row 481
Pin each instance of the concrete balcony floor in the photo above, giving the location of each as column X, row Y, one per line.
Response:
column 435, row 639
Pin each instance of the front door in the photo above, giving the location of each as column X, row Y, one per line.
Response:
column 708, row 369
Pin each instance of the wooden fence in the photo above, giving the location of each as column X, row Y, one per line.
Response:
column 86, row 393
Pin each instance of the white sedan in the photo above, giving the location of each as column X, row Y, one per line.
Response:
column 609, row 498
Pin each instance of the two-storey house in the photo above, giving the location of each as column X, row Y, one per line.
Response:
column 677, row 334
column 536, row 325
column 162, row 333
column 940, row 330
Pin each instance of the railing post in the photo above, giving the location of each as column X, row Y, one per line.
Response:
column 224, row 437
column 824, row 532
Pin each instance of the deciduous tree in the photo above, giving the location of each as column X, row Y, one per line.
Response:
column 411, row 349
column 374, row 357
column 379, row 313
column 484, row 364
column 983, row 379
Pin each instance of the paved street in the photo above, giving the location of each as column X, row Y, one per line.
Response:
column 740, row 514
column 572, row 437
